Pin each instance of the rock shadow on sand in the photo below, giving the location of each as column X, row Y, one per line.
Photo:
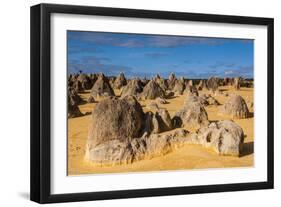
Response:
column 248, row 149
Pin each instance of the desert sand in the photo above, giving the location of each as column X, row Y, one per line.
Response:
column 186, row 157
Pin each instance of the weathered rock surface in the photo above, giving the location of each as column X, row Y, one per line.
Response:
column 115, row 119
column 171, row 81
column 73, row 99
column 190, row 82
column 116, row 152
column 120, row 81
column 179, row 87
column 77, row 86
column 207, row 100
column 157, row 122
column 191, row 90
column 164, row 119
column 73, row 111
column 133, row 88
column 225, row 137
column 237, row 83
column 192, row 112
column 236, row 107
column 86, row 82
column 202, row 85
column 91, row 99
column 213, row 83
column 152, row 91
column 161, row 82
column 102, row 87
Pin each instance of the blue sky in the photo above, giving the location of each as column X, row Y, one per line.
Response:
column 140, row 55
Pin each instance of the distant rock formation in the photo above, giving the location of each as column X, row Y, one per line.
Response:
column 85, row 80
column 179, row 87
column 190, row 90
column 152, row 91
column 237, row 83
column 202, row 85
column 161, row 82
column 102, row 87
column 213, row 83
column 77, row 86
column 73, row 99
column 120, row 81
column 171, row 81
column 133, row 88
column 190, row 82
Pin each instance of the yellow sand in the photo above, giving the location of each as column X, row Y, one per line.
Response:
column 187, row 157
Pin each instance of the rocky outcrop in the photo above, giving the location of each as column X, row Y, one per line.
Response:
column 73, row 111
column 73, row 99
column 213, row 83
column 133, row 88
column 120, row 81
column 192, row 113
column 190, row 82
column 179, row 87
column 171, row 81
column 225, row 137
column 237, row 83
column 202, row 85
column 161, row 82
column 115, row 119
column 157, row 122
column 91, row 99
column 115, row 152
column 235, row 107
column 77, row 87
column 85, row 80
column 191, row 90
column 102, row 88
column 152, row 91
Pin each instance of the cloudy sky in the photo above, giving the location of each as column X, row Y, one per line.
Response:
column 139, row 55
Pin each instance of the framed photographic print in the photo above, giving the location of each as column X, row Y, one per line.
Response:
column 133, row 103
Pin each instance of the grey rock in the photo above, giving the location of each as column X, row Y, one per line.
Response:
column 225, row 137
column 102, row 87
column 236, row 107
column 192, row 112
column 152, row 90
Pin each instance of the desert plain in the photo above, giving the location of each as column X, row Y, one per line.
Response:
column 189, row 156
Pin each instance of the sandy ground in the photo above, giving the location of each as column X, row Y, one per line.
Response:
column 187, row 157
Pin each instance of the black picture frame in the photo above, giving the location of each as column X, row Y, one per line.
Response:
column 41, row 96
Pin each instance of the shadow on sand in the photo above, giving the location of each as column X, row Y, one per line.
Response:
column 251, row 115
column 248, row 148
